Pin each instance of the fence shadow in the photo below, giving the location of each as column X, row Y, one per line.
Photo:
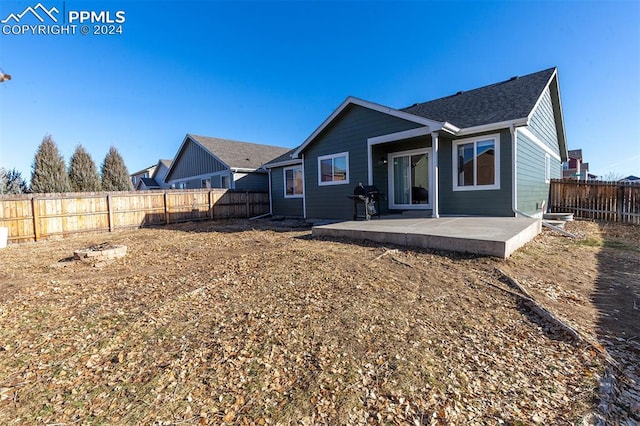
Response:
column 617, row 299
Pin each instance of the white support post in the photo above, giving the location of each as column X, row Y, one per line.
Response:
column 435, row 204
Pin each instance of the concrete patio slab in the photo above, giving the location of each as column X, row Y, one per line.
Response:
column 493, row 236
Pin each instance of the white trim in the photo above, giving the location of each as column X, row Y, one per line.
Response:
column 435, row 125
column 201, row 176
column 283, row 163
column 493, row 126
column 390, row 180
column 454, row 163
column 533, row 138
column 284, row 178
column 547, row 168
column 245, row 170
column 331, row 157
column 535, row 106
column 435, row 180
column 514, row 169
column 406, row 134
column 369, row 163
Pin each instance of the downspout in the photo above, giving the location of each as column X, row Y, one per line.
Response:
column 304, row 191
column 514, row 170
column 270, row 197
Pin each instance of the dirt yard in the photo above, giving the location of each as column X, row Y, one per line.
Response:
column 237, row 322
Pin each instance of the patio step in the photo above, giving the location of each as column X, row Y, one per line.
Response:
column 417, row 213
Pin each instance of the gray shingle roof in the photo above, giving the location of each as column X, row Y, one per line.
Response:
column 504, row 101
column 238, row 154
column 284, row 157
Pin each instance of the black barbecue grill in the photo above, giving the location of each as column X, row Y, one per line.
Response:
column 367, row 195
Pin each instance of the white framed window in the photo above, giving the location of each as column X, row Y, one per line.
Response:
column 333, row 169
column 205, row 183
column 293, row 182
column 476, row 163
column 547, row 168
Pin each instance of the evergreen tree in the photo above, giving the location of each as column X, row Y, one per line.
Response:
column 49, row 173
column 83, row 174
column 115, row 176
column 15, row 183
column 4, row 181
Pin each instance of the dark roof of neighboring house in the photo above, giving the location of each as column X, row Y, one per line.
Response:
column 631, row 178
column 149, row 182
column 508, row 100
column 238, row 154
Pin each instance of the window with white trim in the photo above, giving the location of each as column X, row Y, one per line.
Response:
column 205, row 183
column 333, row 169
column 476, row 163
column 224, row 182
column 293, row 182
column 547, row 168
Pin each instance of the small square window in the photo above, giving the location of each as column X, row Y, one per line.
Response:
column 333, row 169
column 476, row 163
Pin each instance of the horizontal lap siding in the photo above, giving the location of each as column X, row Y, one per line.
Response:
column 485, row 202
column 290, row 207
column 543, row 123
column 251, row 181
column 532, row 188
column 348, row 133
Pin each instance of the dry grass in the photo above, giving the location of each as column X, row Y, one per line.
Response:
column 254, row 323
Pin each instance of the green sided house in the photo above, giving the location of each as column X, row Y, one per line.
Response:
column 490, row 151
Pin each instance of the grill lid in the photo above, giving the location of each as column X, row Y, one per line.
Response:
column 365, row 190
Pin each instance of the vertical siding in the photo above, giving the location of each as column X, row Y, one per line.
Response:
column 290, row 207
column 251, row 181
column 349, row 132
column 195, row 161
column 532, row 187
column 495, row 202
column 543, row 123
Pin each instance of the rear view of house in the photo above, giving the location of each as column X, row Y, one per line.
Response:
column 490, row 151
column 206, row 162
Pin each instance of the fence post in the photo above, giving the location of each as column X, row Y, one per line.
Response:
column 246, row 194
column 211, row 204
column 36, row 219
column 109, row 212
column 166, row 208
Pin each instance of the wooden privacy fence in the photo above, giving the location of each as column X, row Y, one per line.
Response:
column 610, row 201
column 32, row 217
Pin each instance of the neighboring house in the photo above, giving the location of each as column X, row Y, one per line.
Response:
column 142, row 174
column 575, row 167
column 204, row 162
column 157, row 179
column 489, row 151
column 631, row 179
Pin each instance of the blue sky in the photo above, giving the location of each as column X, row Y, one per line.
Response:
column 271, row 72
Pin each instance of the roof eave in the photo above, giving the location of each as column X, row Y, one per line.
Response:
column 291, row 162
column 351, row 100
column 519, row 122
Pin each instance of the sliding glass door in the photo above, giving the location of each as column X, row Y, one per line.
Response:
column 409, row 179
